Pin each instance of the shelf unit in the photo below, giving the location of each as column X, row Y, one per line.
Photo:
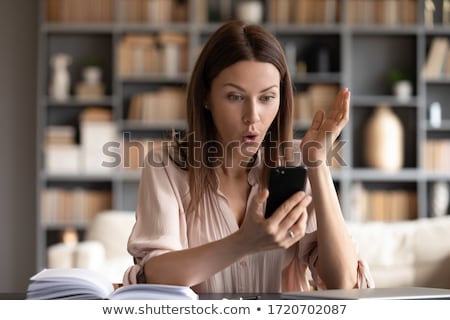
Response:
column 358, row 56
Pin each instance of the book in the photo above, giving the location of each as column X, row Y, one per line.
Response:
column 436, row 59
column 86, row 284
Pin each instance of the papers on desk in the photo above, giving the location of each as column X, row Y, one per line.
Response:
column 83, row 284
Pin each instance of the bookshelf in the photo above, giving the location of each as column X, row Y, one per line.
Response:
column 327, row 44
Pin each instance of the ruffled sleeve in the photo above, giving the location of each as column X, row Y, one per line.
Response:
column 160, row 224
column 301, row 274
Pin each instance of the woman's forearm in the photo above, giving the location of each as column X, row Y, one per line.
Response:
column 195, row 265
column 337, row 261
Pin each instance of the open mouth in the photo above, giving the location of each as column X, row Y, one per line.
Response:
column 249, row 137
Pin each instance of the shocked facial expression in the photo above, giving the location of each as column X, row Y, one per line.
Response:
column 244, row 100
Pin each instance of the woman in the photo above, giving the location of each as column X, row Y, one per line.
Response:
column 199, row 217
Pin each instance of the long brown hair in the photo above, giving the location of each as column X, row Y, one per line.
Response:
column 233, row 42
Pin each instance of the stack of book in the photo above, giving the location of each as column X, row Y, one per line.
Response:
column 437, row 64
column 155, row 11
column 158, row 107
column 72, row 206
column 144, row 55
column 303, row 11
column 385, row 12
column 383, row 205
column 62, row 154
column 80, row 10
column 436, row 154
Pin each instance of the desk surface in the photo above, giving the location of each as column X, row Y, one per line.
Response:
column 418, row 293
column 204, row 296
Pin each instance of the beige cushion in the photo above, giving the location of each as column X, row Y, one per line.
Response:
column 432, row 251
column 406, row 253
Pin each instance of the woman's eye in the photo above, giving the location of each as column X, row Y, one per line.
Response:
column 235, row 97
column 267, row 98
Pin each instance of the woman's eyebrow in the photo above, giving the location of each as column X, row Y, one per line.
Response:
column 242, row 89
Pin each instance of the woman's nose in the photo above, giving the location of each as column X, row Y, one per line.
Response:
column 250, row 115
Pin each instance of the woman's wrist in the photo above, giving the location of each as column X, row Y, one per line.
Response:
column 317, row 165
column 320, row 177
column 240, row 243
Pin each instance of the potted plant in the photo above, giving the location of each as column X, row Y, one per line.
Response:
column 91, row 85
column 401, row 84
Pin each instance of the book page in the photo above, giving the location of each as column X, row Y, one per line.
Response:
column 153, row 292
column 68, row 283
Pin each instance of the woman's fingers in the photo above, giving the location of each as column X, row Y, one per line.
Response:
column 297, row 231
column 289, row 221
column 287, row 206
column 293, row 226
column 317, row 120
column 287, row 224
column 295, row 213
column 339, row 114
column 333, row 121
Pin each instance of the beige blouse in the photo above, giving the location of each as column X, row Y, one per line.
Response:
column 163, row 224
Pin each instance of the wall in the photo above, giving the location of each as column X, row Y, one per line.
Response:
column 18, row 61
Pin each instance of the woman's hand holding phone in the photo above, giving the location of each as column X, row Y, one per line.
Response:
column 286, row 224
column 283, row 183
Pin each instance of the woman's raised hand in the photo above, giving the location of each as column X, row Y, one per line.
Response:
column 324, row 130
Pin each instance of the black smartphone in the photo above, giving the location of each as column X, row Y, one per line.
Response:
column 284, row 182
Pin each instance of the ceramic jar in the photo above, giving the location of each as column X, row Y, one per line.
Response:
column 383, row 140
column 435, row 114
column 92, row 75
column 251, row 11
column 60, row 80
column 439, row 198
column 403, row 90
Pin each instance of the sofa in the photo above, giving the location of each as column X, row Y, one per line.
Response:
column 405, row 253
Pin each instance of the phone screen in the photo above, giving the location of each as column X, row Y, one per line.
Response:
column 284, row 182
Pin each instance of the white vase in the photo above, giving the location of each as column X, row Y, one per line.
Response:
column 383, row 140
column 403, row 90
column 92, row 75
column 250, row 11
column 435, row 116
column 439, row 198
column 60, row 80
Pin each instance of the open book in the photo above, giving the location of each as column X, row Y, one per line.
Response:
column 84, row 284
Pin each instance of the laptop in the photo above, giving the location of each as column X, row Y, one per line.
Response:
column 418, row 293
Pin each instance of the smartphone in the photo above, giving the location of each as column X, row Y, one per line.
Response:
column 284, row 182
